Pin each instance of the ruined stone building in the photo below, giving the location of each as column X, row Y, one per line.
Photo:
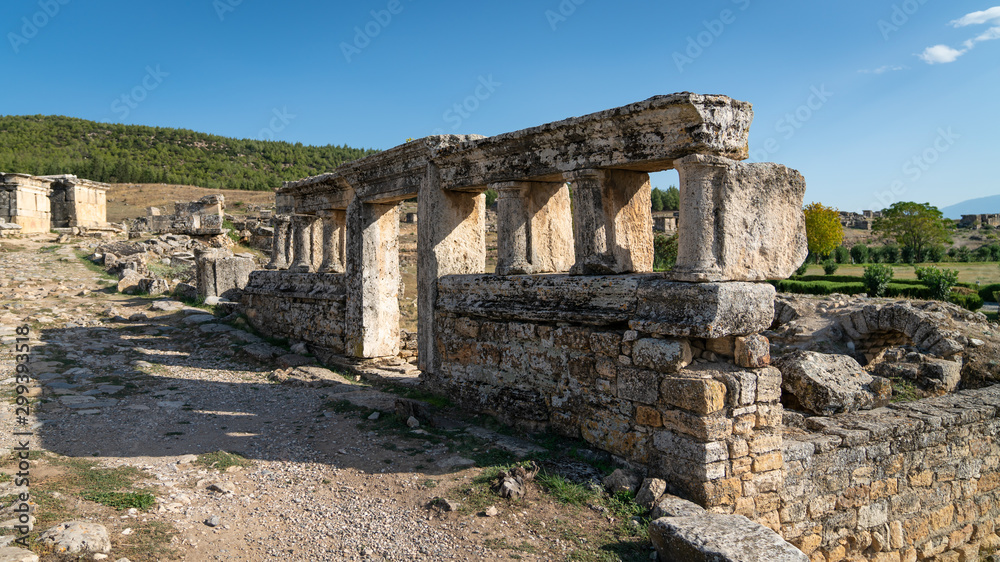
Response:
column 39, row 204
column 575, row 334
column 861, row 221
column 203, row 217
column 976, row 222
column 666, row 221
column 78, row 202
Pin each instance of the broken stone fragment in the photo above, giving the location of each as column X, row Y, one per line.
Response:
column 830, row 384
column 650, row 492
column 621, row 480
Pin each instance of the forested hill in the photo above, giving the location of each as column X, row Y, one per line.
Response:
column 46, row 145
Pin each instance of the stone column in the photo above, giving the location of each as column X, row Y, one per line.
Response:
column 550, row 224
column 302, row 227
column 513, row 229
column 280, row 243
column 612, row 222
column 372, row 280
column 697, row 248
column 739, row 221
column 451, row 240
column 334, row 240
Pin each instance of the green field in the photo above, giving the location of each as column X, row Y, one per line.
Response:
column 984, row 273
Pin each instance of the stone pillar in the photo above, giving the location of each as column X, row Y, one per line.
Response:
column 697, row 245
column 513, row 229
column 551, row 228
column 534, row 228
column 334, row 241
column 612, row 222
column 372, row 280
column 739, row 221
column 302, row 228
column 281, row 243
column 451, row 240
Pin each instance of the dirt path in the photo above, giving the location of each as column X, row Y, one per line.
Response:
column 146, row 391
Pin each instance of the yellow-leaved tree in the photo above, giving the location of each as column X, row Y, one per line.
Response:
column 823, row 229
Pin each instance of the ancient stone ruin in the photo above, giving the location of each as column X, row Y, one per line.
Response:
column 203, row 217
column 40, row 203
column 573, row 332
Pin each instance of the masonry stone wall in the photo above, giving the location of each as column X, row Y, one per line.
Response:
column 308, row 307
column 914, row 481
column 592, row 358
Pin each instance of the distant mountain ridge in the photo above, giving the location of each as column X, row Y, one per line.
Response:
column 44, row 145
column 980, row 206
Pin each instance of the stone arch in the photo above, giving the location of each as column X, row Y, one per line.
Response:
column 875, row 327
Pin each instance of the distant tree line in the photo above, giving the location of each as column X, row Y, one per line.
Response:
column 46, row 145
column 669, row 200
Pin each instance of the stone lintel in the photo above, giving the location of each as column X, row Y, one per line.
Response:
column 649, row 303
column 645, row 136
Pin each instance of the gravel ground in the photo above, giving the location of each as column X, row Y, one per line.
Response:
column 126, row 382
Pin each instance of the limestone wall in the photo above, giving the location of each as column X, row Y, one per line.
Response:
column 914, row 481
column 307, row 307
column 593, row 358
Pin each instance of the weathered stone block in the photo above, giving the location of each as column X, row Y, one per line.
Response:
column 665, row 356
column 706, row 310
column 639, row 385
column 699, row 395
column 719, row 538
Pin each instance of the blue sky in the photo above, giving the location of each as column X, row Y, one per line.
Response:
column 873, row 101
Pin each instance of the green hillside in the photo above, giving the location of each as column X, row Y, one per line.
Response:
column 45, row 145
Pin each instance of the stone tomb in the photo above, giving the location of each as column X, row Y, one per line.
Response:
column 78, row 202
column 574, row 333
column 39, row 204
column 24, row 201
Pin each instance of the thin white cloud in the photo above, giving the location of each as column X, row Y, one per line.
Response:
column 943, row 54
column 883, row 69
column 978, row 18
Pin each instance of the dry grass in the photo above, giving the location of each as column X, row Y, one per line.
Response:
column 129, row 201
